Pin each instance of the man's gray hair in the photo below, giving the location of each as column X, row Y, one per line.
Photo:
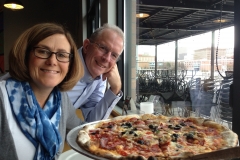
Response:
column 112, row 27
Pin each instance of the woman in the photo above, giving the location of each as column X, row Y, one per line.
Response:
column 34, row 109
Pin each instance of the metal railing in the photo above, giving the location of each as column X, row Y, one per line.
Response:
column 150, row 82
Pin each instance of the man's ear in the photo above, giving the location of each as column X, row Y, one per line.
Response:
column 86, row 44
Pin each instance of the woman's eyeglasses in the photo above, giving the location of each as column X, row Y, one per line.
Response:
column 45, row 54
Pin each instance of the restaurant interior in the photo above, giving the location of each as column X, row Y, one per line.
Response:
column 178, row 90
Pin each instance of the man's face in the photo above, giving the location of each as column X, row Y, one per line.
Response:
column 101, row 54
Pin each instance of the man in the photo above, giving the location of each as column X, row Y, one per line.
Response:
column 99, row 53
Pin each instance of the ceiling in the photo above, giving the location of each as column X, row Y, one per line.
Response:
column 171, row 20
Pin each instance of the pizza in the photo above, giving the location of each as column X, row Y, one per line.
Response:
column 151, row 136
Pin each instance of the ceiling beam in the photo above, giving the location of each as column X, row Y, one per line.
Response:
column 187, row 4
column 163, row 39
column 191, row 27
column 171, row 20
column 160, row 38
column 172, row 28
column 207, row 20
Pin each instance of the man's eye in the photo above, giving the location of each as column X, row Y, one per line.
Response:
column 103, row 48
column 115, row 55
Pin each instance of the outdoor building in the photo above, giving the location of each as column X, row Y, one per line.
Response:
column 205, row 53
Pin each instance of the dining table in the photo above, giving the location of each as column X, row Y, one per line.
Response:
column 73, row 155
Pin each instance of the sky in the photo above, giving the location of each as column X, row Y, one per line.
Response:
column 167, row 51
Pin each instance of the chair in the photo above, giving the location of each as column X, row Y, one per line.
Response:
column 223, row 109
column 194, row 90
column 203, row 100
column 158, row 102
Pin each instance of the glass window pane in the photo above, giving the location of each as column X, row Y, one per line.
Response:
column 195, row 84
column 224, row 41
column 194, row 55
column 145, row 57
column 166, row 56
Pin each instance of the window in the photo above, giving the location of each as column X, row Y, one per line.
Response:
column 224, row 59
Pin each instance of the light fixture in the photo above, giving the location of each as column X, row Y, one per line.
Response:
column 142, row 15
column 13, row 4
column 221, row 21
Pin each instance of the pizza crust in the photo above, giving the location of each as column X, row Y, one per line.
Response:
column 197, row 120
column 228, row 135
column 148, row 116
column 231, row 138
column 83, row 140
column 120, row 118
column 212, row 124
column 83, row 137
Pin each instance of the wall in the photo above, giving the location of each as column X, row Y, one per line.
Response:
column 66, row 12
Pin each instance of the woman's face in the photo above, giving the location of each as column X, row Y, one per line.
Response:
column 48, row 73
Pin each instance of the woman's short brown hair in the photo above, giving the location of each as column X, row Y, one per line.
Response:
column 19, row 54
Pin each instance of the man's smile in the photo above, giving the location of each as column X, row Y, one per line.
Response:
column 100, row 65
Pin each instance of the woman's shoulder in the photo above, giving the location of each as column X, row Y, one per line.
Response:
column 66, row 101
column 65, row 97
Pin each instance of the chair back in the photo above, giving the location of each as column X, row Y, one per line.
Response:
column 223, row 100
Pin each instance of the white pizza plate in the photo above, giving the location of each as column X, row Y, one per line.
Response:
column 72, row 155
column 71, row 140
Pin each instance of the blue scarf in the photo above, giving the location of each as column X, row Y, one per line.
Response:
column 39, row 125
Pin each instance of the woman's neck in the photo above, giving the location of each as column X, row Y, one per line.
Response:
column 41, row 94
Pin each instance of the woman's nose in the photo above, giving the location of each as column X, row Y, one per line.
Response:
column 52, row 59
